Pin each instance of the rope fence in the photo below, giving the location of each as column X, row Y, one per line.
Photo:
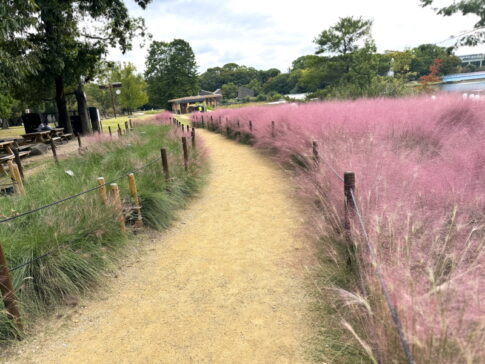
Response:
column 351, row 208
column 6, row 287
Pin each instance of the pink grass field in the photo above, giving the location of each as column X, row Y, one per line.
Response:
column 420, row 182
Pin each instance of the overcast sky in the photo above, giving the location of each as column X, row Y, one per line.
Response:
column 272, row 33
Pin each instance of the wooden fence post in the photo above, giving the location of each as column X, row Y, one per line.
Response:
column 8, row 294
column 186, row 153
column 272, row 129
column 316, row 157
column 136, row 200
column 250, row 126
column 115, row 194
column 18, row 179
column 349, row 206
column 54, row 152
column 102, row 190
column 193, row 137
column 119, row 130
column 126, row 127
column 183, row 128
column 14, row 179
column 79, row 140
column 18, row 162
column 110, row 132
column 131, row 123
column 163, row 153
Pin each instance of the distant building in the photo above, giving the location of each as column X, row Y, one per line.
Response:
column 188, row 104
column 244, row 92
column 475, row 59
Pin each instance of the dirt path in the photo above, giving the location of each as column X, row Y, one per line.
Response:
column 224, row 285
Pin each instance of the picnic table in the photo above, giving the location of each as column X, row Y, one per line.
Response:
column 6, row 154
column 37, row 137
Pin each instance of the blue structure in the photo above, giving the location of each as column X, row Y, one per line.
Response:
column 462, row 77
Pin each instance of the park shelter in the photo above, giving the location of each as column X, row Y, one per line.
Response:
column 187, row 104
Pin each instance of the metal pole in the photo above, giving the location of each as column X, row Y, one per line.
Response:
column 112, row 98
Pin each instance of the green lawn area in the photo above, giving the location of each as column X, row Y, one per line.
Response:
column 16, row 131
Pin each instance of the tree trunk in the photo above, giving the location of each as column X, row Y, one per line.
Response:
column 82, row 109
column 61, row 103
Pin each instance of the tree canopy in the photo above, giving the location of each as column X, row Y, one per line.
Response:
column 465, row 7
column 343, row 37
column 171, row 71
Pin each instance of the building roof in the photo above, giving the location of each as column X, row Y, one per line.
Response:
column 189, row 99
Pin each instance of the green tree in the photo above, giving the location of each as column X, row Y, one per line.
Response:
column 72, row 46
column 343, row 38
column 133, row 91
column 280, row 84
column 402, row 64
column 171, row 71
column 476, row 7
column 229, row 91
column 212, row 79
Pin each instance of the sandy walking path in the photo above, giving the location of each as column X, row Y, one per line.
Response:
column 224, row 285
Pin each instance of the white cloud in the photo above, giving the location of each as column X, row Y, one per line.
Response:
column 271, row 33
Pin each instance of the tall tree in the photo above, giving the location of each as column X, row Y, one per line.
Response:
column 73, row 36
column 133, row 91
column 344, row 37
column 171, row 71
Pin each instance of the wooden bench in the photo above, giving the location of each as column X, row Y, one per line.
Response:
column 24, row 153
column 55, row 139
column 67, row 136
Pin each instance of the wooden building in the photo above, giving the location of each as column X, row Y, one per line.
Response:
column 188, row 104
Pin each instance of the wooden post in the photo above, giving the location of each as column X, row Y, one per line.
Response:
column 238, row 125
column 102, row 190
column 349, row 207
column 183, row 128
column 54, row 152
column 119, row 130
column 202, row 120
column 316, row 157
column 79, row 140
column 8, row 294
column 163, row 153
column 126, row 127
column 272, row 129
column 136, row 200
column 186, row 153
column 18, row 179
column 193, row 138
column 14, row 179
column 250, row 126
column 131, row 123
column 18, row 162
column 115, row 194
column 110, row 132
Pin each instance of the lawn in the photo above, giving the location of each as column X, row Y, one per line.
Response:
column 16, row 131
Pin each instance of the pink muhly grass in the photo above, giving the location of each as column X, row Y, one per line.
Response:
column 420, row 171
